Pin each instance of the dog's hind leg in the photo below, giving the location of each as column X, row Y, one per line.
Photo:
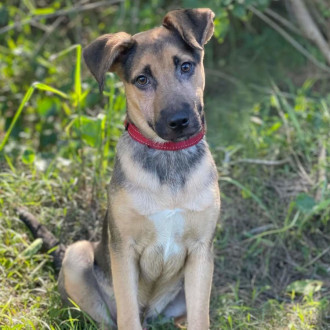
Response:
column 80, row 278
column 177, row 308
column 85, row 283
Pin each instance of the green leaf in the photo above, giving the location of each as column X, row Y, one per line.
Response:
column 77, row 78
column 263, row 3
column 26, row 98
column 89, row 129
column 305, row 287
column 43, row 11
column 230, row 321
column 28, row 156
column 4, row 16
column 305, row 203
column 47, row 106
column 239, row 11
column 273, row 128
column 33, row 248
column 322, row 206
column 44, row 87
column 221, row 24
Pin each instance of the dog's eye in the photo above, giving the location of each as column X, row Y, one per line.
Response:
column 186, row 67
column 142, row 80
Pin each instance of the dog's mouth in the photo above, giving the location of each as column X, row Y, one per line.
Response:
column 184, row 136
column 180, row 134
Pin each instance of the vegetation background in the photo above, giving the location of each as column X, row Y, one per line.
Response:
column 268, row 111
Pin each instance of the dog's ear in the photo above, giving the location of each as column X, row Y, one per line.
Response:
column 101, row 55
column 194, row 25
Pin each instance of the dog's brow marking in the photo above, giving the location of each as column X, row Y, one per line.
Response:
column 147, row 70
column 169, row 226
column 176, row 61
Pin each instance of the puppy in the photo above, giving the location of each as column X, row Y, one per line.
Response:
column 155, row 254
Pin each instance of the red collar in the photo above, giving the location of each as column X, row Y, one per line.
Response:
column 135, row 134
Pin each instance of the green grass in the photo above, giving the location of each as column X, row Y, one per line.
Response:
column 269, row 136
column 265, row 242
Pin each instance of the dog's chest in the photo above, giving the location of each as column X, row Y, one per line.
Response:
column 169, row 226
column 165, row 254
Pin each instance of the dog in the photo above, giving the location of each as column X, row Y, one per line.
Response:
column 155, row 254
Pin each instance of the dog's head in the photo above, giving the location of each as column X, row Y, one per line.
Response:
column 162, row 70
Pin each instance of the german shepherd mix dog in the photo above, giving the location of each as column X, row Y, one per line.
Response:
column 155, row 254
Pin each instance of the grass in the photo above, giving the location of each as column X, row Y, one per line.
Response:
column 265, row 243
column 271, row 144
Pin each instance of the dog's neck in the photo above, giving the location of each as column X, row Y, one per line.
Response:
column 136, row 135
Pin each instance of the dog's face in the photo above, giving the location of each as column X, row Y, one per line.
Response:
column 162, row 70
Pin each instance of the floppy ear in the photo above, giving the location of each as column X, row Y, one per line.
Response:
column 101, row 55
column 194, row 25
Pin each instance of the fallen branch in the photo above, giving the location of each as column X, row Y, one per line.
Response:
column 291, row 40
column 49, row 242
column 282, row 20
column 309, row 27
column 262, row 161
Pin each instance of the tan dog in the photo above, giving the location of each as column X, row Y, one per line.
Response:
column 155, row 255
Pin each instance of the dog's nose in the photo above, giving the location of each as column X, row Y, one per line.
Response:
column 178, row 120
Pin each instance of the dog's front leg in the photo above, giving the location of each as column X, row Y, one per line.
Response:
column 198, row 280
column 125, row 284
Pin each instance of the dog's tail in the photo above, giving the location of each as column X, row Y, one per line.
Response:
column 49, row 241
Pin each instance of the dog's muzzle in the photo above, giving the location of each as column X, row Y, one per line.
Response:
column 178, row 125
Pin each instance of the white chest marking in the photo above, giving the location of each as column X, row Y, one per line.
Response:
column 169, row 226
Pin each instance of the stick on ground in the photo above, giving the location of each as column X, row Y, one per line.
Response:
column 49, row 240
